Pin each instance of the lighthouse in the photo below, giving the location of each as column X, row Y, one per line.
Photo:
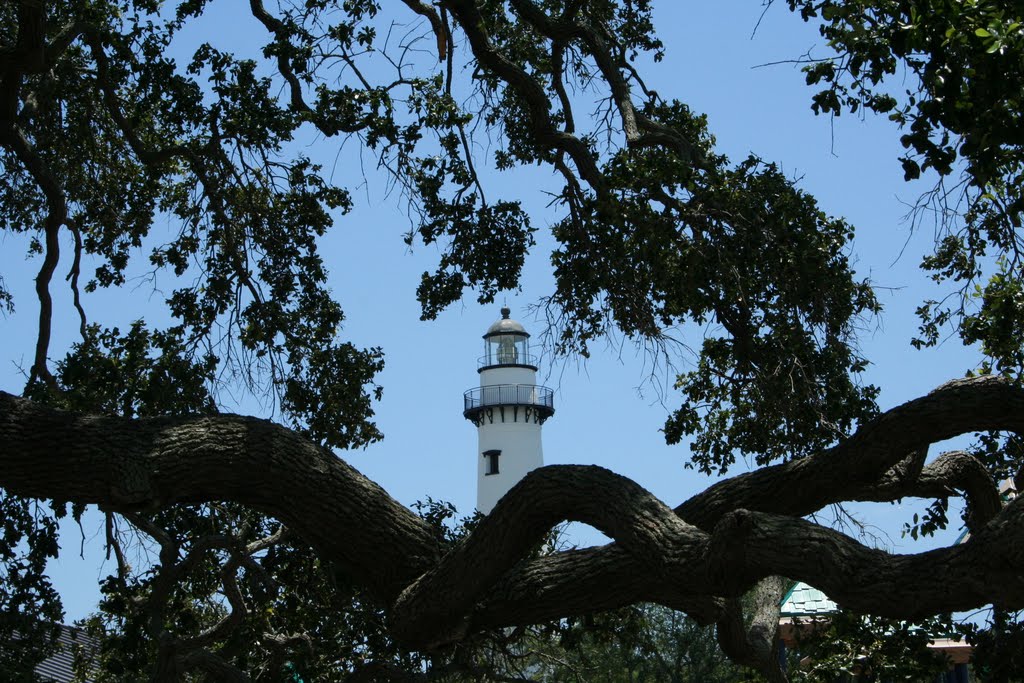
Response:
column 508, row 409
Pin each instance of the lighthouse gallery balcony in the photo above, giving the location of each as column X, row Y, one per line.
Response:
column 538, row 398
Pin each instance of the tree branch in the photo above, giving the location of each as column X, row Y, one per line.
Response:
column 756, row 645
column 281, row 34
column 149, row 464
column 467, row 14
column 959, row 407
column 485, row 581
column 14, row 139
column 436, row 608
column 436, row 25
column 640, row 131
column 951, row 473
column 151, row 158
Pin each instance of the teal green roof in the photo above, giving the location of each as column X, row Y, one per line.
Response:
column 804, row 601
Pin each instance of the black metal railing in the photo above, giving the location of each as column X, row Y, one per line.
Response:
column 509, row 395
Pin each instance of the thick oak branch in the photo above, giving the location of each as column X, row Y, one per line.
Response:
column 151, row 463
column 489, row 579
column 861, row 461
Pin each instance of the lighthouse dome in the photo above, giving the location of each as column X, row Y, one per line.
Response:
column 507, row 343
column 506, row 325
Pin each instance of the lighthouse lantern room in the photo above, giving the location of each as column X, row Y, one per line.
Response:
column 508, row 409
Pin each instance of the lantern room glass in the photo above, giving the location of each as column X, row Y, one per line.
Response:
column 507, row 349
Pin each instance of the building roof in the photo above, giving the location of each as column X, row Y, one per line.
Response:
column 59, row 667
column 809, row 603
column 805, row 601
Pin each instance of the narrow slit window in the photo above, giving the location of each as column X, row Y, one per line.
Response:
column 491, row 466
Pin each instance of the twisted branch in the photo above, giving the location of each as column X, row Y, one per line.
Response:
column 862, row 461
column 659, row 554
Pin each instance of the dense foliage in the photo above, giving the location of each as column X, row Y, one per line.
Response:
column 949, row 75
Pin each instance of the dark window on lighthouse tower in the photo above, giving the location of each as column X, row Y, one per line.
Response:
column 492, row 461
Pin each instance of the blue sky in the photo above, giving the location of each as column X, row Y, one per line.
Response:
column 608, row 410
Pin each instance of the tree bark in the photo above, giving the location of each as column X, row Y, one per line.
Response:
column 712, row 548
column 149, row 464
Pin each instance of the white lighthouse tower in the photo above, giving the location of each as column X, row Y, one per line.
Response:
column 508, row 409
